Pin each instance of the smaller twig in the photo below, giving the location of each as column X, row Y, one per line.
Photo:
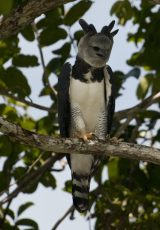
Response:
column 35, row 162
column 45, row 75
column 141, row 106
column 31, row 177
column 134, row 131
column 70, row 210
column 57, row 170
column 89, row 220
column 123, row 127
column 72, row 40
column 132, row 112
column 32, row 104
column 4, row 215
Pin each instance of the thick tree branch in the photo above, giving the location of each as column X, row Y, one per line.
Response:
column 74, row 146
column 25, row 13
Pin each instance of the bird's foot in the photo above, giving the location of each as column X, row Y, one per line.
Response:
column 84, row 136
column 87, row 136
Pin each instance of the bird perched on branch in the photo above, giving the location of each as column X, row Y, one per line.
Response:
column 86, row 103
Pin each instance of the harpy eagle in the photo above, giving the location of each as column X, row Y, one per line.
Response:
column 86, row 103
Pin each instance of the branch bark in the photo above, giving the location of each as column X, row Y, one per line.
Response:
column 154, row 1
column 25, row 13
column 73, row 146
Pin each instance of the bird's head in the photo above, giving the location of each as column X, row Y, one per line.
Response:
column 95, row 48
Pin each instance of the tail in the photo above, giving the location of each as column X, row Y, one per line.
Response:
column 80, row 191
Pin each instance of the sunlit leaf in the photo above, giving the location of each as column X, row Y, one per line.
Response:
column 144, row 85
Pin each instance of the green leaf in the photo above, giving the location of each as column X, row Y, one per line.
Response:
column 22, row 60
column 52, row 19
column 5, row 6
column 113, row 170
column 76, row 12
column 16, row 82
column 11, row 214
column 78, row 35
column 64, row 51
column 46, row 125
column 28, row 33
column 5, row 146
column 135, row 72
column 9, row 112
column 48, row 180
column 51, row 35
column 123, row 10
column 144, row 86
column 27, row 123
column 23, row 207
column 5, row 180
column 68, row 186
column 19, row 172
column 55, row 65
column 27, row 222
column 8, row 48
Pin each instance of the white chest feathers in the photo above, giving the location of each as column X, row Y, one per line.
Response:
column 89, row 98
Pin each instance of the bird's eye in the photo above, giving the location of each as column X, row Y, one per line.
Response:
column 96, row 48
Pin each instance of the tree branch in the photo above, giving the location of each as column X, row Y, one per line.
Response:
column 25, row 13
column 139, row 107
column 32, row 177
column 45, row 72
column 154, row 1
column 63, row 217
column 131, row 113
column 60, row 145
column 26, row 102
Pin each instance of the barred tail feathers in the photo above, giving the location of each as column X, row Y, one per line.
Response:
column 81, row 173
column 80, row 191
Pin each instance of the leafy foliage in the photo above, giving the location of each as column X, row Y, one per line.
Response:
column 129, row 199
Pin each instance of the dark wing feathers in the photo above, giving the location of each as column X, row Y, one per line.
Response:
column 111, row 103
column 63, row 100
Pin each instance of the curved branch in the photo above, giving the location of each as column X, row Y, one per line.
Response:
column 141, row 106
column 73, row 146
column 70, row 210
column 32, row 104
column 32, row 177
column 131, row 113
column 25, row 13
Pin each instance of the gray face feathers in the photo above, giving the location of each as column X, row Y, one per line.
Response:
column 95, row 48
